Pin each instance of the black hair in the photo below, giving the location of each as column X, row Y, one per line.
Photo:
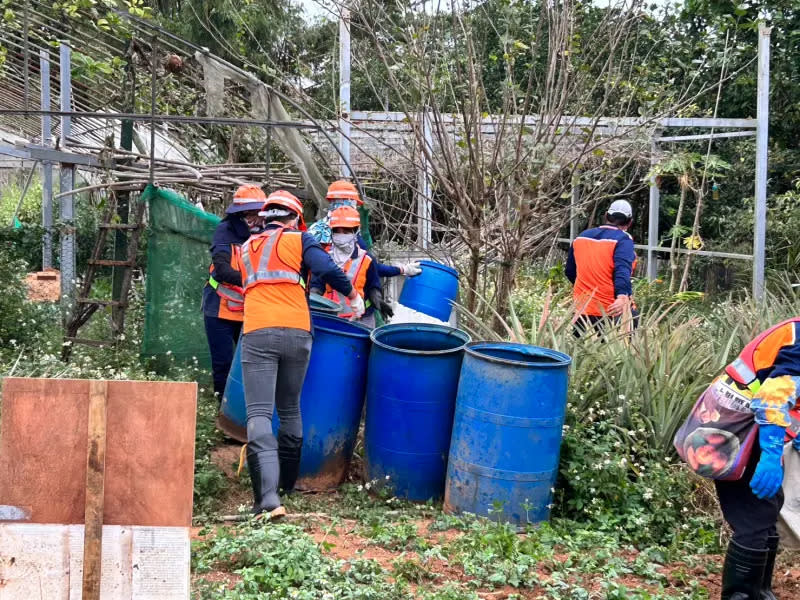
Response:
column 618, row 219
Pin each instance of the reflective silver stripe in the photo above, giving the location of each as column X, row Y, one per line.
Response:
column 229, row 294
column 352, row 271
column 263, row 274
column 743, row 371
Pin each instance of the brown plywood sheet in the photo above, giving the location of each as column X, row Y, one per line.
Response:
column 149, row 469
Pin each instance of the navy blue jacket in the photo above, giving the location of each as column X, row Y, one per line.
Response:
column 231, row 230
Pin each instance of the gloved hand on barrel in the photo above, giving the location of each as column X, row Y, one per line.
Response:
column 357, row 306
column 411, row 269
column 376, row 297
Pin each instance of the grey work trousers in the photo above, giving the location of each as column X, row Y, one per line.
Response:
column 274, row 364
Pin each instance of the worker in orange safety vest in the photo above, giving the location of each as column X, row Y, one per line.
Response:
column 276, row 343
column 735, row 435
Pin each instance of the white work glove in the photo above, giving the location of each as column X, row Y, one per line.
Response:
column 411, row 269
column 358, row 307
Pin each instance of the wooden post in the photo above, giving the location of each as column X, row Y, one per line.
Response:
column 95, row 489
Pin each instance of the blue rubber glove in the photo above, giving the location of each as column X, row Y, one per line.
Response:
column 767, row 479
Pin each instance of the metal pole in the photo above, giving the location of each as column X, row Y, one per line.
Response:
column 153, row 65
column 762, row 137
column 424, row 208
column 573, row 208
column 652, row 217
column 344, row 91
column 268, row 157
column 67, row 177
column 47, row 166
column 25, row 53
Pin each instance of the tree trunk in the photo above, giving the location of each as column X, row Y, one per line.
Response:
column 472, row 278
column 673, row 256
column 695, row 233
column 506, row 281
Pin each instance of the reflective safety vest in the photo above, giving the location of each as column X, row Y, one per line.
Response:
column 261, row 262
column 761, row 354
column 231, row 296
column 356, row 271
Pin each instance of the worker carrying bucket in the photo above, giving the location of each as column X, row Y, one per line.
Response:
column 343, row 193
column 359, row 266
column 735, row 435
column 223, row 303
column 276, row 343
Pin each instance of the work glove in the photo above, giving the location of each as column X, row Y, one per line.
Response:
column 358, row 308
column 376, row 297
column 767, row 479
column 411, row 269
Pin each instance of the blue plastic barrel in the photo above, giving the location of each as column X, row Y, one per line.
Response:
column 411, row 390
column 433, row 291
column 507, row 432
column 321, row 304
column 331, row 401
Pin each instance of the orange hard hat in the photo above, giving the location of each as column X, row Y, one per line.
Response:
column 345, row 216
column 343, row 190
column 248, row 197
column 286, row 200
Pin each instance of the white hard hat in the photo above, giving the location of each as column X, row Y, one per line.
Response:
column 622, row 207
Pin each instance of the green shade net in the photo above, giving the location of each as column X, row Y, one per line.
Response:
column 177, row 269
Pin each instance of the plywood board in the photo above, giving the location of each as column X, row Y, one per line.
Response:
column 139, row 563
column 149, row 468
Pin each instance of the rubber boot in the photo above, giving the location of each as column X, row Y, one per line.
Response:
column 289, row 450
column 263, row 467
column 743, row 572
column 769, row 568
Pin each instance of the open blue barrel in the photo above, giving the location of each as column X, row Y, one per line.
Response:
column 320, row 304
column 411, row 390
column 433, row 291
column 331, row 402
column 507, row 431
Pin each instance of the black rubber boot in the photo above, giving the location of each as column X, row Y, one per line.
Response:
column 743, row 572
column 289, row 450
column 263, row 467
column 769, row 568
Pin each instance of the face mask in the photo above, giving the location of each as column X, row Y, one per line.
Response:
column 253, row 223
column 344, row 240
column 343, row 246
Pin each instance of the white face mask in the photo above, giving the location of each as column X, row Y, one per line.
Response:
column 343, row 246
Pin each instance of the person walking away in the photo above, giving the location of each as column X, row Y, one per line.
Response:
column 357, row 264
column 223, row 303
column 599, row 265
column 276, row 342
column 343, row 193
column 735, row 435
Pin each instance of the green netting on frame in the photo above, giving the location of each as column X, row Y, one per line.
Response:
column 177, row 269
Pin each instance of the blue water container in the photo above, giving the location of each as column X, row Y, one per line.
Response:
column 331, row 401
column 433, row 291
column 411, row 390
column 507, row 432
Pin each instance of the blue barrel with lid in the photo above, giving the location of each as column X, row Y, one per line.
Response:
column 411, row 389
column 507, row 431
column 433, row 291
column 331, row 401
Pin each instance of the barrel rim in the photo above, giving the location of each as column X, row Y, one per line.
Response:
column 327, row 303
column 362, row 333
column 442, row 267
column 417, row 327
column 564, row 360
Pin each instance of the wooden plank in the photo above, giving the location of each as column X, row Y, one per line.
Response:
column 95, row 484
column 149, row 471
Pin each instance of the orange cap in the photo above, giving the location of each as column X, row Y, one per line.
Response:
column 345, row 216
column 343, row 190
column 247, row 197
column 286, row 200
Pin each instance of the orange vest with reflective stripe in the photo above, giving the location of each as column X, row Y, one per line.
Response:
column 761, row 354
column 270, row 264
column 231, row 297
column 356, row 271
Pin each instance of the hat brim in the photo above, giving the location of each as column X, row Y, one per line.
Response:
column 237, row 208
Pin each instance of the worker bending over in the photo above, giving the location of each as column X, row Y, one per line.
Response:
column 277, row 342
column 359, row 267
column 599, row 265
column 223, row 302
column 735, row 435
column 343, row 193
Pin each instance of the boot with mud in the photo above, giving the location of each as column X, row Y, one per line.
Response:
column 263, row 467
column 289, row 451
column 769, row 568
